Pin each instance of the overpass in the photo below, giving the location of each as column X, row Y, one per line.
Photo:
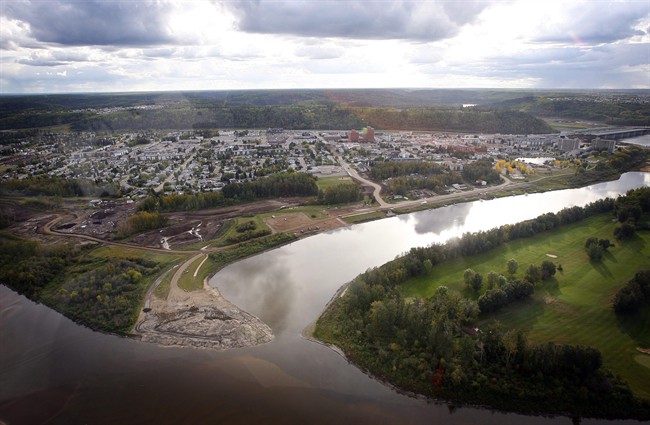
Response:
column 617, row 133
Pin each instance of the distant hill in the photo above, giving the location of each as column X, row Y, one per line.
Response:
column 505, row 111
column 612, row 108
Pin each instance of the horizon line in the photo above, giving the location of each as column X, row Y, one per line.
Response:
column 134, row 92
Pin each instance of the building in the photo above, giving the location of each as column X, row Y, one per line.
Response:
column 600, row 144
column 353, row 136
column 368, row 134
column 568, row 145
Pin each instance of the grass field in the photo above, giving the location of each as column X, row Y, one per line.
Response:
column 326, row 182
column 362, row 218
column 122, row 252
column 312, row 211
column 188, row 282
column 575, row 307
column 232, row 232
column 162, row 290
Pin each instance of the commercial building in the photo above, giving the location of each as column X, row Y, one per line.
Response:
column 600, row 144
column 568, row 145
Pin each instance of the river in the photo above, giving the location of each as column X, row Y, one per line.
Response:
column 54, row 371
column 641, row 140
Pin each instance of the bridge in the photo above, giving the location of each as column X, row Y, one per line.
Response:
column 617, row 133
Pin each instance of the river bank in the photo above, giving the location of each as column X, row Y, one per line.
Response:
column 92, row 377
column 383, row 334
column 200, row 319
column 192, row 314
column 178, row 315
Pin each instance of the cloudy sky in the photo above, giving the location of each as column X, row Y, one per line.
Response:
column 53, row 46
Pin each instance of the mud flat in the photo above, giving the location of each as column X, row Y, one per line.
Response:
column 200, row 319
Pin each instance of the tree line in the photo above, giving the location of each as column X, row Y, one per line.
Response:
column 143, row 221
column 634, row 295
column 212, row 116
column 274, row 186
column 28, row 266
column 339, row 194
column 59, row 187
column 447, row 119
column 428, row 345
column 391, row 169
column 404, row 176
column 328, row 116
column 104, row 296
column 622, row 160
column 612, row 113
column 402, row 185
column 483, row 169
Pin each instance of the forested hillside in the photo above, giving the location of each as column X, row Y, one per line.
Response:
column 388, row 109
column 583, row 108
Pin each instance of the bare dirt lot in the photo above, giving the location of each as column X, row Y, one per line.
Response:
column 101, row 220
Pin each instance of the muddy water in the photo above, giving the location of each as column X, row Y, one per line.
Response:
column 54, row 371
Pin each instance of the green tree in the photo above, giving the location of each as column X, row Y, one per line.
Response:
column 533, row 274
column 624, row 231
column 477, row 282
column 427, row 266
column 595, row 252
column 512, row 266
column 548, row 269
column 492, row 278
column 468, row 276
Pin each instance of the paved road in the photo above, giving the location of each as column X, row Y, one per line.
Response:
column 383, row 205
column 460, row 194
column 376, row 188
column 170, row 177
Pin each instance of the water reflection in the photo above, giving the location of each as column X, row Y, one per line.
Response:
column 485, row 215
column 301, row 277
column 438, row 220
column 641, row 140
column 53, row 371
column 271, row 281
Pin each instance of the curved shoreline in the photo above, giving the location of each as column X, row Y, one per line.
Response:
column 199, row 319
column 192, row 310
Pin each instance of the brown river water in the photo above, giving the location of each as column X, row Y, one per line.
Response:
column 57, row 372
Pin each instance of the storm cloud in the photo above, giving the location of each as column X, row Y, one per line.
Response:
column 371, row 20
column 135, row 45
column 94, row 22
column 601, row 23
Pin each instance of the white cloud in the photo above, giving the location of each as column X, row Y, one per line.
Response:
column 112, row 45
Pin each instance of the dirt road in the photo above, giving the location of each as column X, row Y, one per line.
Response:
column 47, row 230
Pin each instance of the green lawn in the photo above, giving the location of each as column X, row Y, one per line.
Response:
column 188, row 282
column 113, row 251
column 312, row 211
column 362, row 218
column 162, row 290
column 575, row 307
column 231, row 233
column 327, row 182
